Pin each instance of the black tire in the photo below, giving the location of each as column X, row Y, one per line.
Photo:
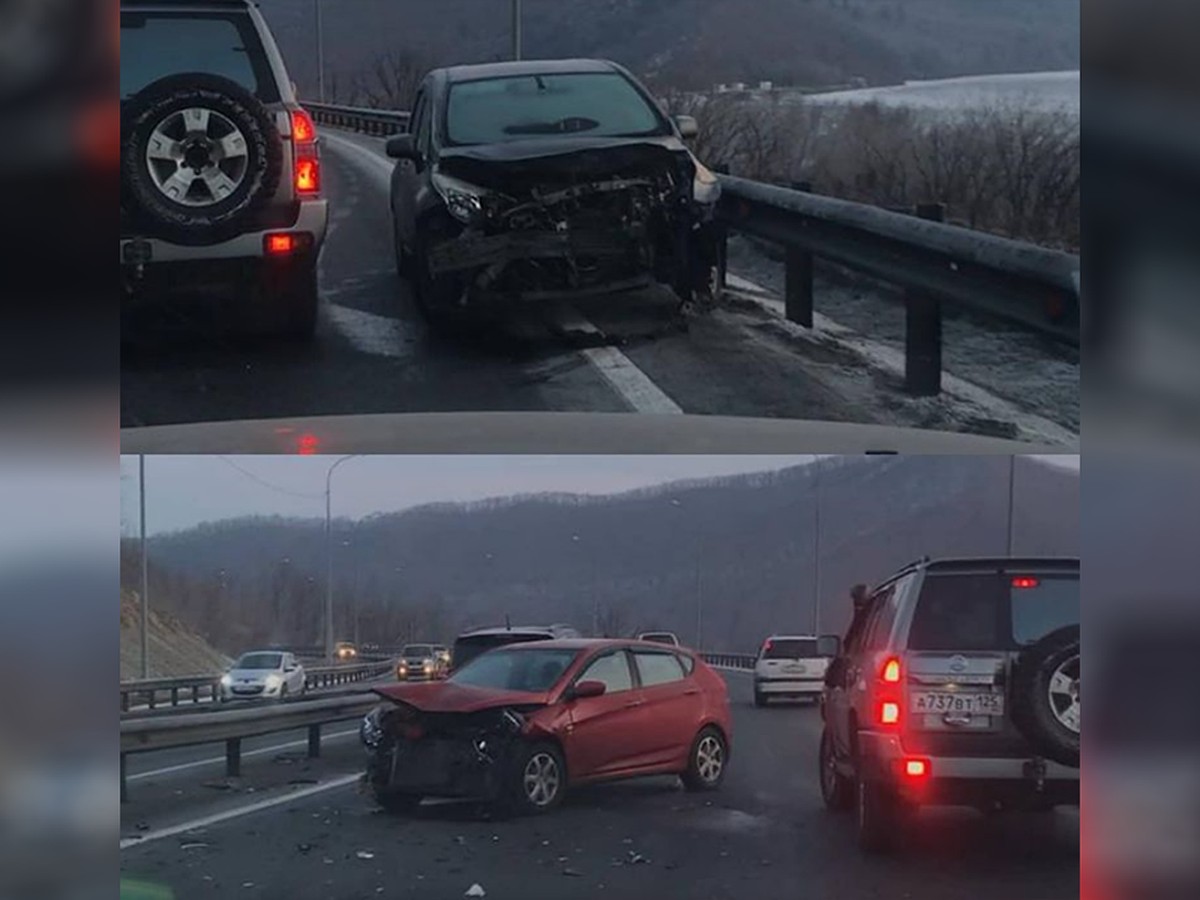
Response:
column 877, row 814
column 760, row 699
column 1045, row 693
column 530, row 762
column 836, row 789
column 283, row 692
column 254, row 181
column 699, row 775
column 396, row 802
column 438, row 298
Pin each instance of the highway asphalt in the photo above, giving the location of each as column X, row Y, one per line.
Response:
column 295, row 828
column 373, row 354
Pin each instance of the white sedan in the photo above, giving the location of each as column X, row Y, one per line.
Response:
column 263, row 673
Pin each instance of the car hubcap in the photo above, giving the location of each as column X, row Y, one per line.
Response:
column 1064, row 694
column 709, row 758
column 541, row 779
column 197, row 157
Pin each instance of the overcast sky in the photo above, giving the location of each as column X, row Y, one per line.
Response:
column 182, row 491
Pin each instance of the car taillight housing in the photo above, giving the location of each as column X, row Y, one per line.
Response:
column 889, row 692
column 890, row 672
column 307, row 174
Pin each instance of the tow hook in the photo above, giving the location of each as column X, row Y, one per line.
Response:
column 1036, row 770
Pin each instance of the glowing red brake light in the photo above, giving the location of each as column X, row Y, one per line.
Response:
column 889, row 713
column 916, row 768
column 1024, row 581
column 280, row 244
column 303, row 129
column 890, row 672
column 308, row 175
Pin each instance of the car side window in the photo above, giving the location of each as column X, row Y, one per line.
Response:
column 885, row 605
column 657, row 668
column 612, row 669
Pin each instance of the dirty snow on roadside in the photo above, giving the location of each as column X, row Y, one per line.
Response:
column 1033, row 374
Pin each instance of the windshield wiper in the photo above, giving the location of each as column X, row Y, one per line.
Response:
column 562, row 126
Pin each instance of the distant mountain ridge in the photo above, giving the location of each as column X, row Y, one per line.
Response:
column 695, row 43
column 636, row 558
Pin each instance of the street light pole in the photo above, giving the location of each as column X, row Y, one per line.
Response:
column 1012, row 473
column 516, row 29
column 816, row 629
column 329, row 556
column 320, row 51
column 145, row 640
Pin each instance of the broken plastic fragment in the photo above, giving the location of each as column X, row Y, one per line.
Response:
column 365, row 854
column 475, row 890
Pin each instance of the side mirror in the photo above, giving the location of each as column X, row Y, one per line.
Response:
column 688, row 127
column 586, row 689
column 829, row 646
column 290, row 668
column 401, row 146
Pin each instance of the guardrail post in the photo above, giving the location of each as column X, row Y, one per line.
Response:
column 314, row 741
column 798, row 286
column 124, row 787
column 151, row 696
column 174, row 696
column 195, row 693
column 923, row 330
column 233, row 757
column 124, row 701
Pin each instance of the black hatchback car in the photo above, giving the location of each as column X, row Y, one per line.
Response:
column 530, row 181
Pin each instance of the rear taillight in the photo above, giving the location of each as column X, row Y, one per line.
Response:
column 888, row 691
column 1024, row 581
column 889, row 712
column 307, row 174
column 890, row 673
column 914, row 768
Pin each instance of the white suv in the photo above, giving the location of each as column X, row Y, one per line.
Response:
column 220, row 169
column 788, row 666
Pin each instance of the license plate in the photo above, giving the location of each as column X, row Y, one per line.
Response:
column 795, row 668
column 958, row 702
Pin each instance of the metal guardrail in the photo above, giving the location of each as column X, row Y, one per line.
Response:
column 142, row 735
column 1034, row 287
column 204, row 688
column 730, row 660
column 382, row 122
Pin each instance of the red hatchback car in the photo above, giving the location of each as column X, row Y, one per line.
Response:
column 521, row 723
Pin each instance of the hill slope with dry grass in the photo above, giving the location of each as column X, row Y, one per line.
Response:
column 175, row 649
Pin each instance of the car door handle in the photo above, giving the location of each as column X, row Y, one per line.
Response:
column 632, row 703
column 691, row 692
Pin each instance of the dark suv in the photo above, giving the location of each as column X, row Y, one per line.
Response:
column 957, row 683
column 220, row 170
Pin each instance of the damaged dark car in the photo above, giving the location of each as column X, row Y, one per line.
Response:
column 535, row 181
column 518, row 725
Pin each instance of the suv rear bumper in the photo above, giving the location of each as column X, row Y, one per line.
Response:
column 313, row 219
column 813, row 685
column 969, row 780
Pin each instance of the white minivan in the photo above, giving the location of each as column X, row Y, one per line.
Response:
column 788, row 666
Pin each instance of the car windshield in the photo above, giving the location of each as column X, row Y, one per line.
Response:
column 260, row 661
column 597, row 104
column 529, row 670
column 790, row 648
column 415, row 650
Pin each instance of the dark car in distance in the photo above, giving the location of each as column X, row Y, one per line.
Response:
column 520, row 724
column 529, row 181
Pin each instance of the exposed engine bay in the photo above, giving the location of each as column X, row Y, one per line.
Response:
column 442, row 754
column 585, row 222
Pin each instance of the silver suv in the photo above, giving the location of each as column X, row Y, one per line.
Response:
column 957, row 683
column 220, row 167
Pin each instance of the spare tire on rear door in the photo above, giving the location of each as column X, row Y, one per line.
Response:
column 1045, row 695
column 200, row 158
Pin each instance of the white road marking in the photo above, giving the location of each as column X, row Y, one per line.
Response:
column 204, row 822
column 633, row 385
column 220, row 759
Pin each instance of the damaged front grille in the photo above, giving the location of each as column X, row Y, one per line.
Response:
column 559, row 236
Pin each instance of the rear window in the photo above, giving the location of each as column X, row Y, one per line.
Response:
column 467, row 648
column 987, row 611
column 155, row 45
column 790, row 648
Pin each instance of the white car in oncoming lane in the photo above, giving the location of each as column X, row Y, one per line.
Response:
column 263, row 673
column 788, row 666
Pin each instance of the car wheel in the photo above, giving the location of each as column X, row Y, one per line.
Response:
column 438, row 299
column 396, row 802
column 200, row 158
column 538, row 780
column 877, row 816
column 836, row 789
column 760, row 699
column 707, row 761
column 1045, row 692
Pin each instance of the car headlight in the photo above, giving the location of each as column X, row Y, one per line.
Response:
column 273, row 681
column 706, row 186
column 226, row 680
column 463, row 201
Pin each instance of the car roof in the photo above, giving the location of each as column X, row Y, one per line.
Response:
column 580, row 644
column 267, row 650
column 516, row 629
column 186, row 5
column 791, row 637
column 477, row 72
column 975, row 563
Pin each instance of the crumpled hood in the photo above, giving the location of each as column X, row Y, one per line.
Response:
column 559, row 145
column 448, row 697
